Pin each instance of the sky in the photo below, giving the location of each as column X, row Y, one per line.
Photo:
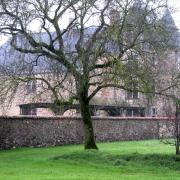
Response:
column 174, row 8
column 175, row 5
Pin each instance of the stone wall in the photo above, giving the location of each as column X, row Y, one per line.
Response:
column 51, row 131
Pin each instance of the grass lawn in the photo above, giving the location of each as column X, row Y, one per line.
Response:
column 134, row 160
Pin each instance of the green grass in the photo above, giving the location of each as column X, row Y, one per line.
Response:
column 134, row 160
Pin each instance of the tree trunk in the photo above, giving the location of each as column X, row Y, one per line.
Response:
column 177, row 136
column 177, row 149
column 177, row 129
column 89, row 139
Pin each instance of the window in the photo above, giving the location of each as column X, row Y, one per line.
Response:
column 133, row 93
column 31, row 86
column 28, row 111
column 135, row 112
column 131, row 112
column 153, row 111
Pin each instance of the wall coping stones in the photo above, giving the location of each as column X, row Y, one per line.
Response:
column 79, row 118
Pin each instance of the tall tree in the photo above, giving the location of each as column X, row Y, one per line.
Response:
column 97, row 48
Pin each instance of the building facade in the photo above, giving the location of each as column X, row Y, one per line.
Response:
column 33, row 97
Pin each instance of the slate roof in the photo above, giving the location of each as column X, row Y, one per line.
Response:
column 11, row 58
column 169, row 22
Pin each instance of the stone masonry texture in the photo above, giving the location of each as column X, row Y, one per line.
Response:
column 52, row 131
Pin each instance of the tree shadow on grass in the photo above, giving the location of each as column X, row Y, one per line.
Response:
column 96, row 158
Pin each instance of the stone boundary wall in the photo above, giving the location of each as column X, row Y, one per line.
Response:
column 24, row 131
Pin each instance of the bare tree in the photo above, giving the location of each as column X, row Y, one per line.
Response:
column 170, row 129
column 177, row 128
column 95, row 57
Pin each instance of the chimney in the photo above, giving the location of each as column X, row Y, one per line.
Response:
column 71, row 30
column 114, row 16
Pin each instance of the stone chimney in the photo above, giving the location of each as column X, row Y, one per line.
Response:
column 114, row 16
column 72, row 29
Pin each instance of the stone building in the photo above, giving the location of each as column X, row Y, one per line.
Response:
column 29, row 99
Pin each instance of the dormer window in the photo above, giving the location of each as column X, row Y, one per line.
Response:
column 31, row 87
column 133, row 93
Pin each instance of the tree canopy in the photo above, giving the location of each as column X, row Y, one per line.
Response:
column 105, row 43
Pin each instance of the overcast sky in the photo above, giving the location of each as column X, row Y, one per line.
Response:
column 175, row 10
column 175, row 4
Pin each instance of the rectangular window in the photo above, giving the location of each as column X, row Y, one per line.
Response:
column 133, row 93
column 31, row 87
column 131, row 112
column 28, row 111
column 153, row 111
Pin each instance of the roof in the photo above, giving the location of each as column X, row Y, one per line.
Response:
column 169, row 22
column 36, row 64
